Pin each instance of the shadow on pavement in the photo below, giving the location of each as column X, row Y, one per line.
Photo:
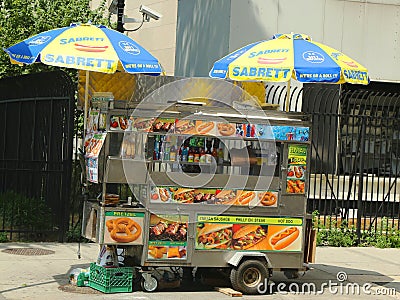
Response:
column 321, row 279
column 324, row 278
column 65, row 286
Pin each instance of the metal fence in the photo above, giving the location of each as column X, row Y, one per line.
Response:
column 355, row 166
column 36, row 155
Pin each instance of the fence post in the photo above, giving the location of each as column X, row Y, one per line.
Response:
column 361, row 180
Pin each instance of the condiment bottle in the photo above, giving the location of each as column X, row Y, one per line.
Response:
column 179, row 154
column 196, row 155
column 185, row 154
column 172, row 153
column 208, row 156
column 190, row 155
column 220, row 156
column 214, row 153
column 167, row 153
column 202, row 155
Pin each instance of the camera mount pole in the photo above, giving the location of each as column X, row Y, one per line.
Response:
column 120, row 15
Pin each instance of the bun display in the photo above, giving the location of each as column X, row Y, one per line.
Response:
column 248, row 236
column 218, row 236
column 184, row 195
column 284, row 238
column 142, row 124
column 227, row 197
column 204, row 127
column 245, row 197
column 185, row 126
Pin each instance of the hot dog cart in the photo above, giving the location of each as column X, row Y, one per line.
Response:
column 193, row 179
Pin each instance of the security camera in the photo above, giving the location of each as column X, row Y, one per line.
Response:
column 113, row 8
column 149, row 12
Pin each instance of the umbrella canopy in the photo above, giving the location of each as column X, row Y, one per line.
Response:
column 288, row 56
column 85, row 47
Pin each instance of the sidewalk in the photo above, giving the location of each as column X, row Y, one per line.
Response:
column 41, row 276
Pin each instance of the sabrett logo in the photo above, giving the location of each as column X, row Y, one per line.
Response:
column 261, row 72
column 354, row 74
column 254, row 54
column 79, row 61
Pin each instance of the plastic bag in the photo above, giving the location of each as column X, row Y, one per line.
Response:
column 79, row 277
column 107, row 256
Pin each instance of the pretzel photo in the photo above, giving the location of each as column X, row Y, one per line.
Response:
column 123, row 230
column 226, row 129
column 267, row 198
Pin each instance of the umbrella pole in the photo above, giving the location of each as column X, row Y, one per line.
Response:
column 288, row 96
column 86, row 103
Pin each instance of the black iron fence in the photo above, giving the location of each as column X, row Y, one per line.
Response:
column 354, row 176
column 35, row 155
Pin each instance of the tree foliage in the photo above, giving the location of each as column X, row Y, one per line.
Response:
column 20, row 19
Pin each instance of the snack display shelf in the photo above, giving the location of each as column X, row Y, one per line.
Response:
column 219, row 180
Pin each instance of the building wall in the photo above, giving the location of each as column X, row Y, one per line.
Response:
column 365, row 30
column 193, row 34
column 157, row 37
column 202, row 35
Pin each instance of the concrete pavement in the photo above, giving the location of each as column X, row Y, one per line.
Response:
column 373, row 271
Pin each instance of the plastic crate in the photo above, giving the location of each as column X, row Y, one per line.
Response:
column 111, row 280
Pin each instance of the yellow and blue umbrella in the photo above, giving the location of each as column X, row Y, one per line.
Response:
column 287, row 56
column 85, row 47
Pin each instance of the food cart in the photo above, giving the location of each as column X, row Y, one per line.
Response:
column 212, row 180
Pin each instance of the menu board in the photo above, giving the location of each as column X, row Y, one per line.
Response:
column 210, row 128
column 163, row 125
column 142, row 124
column 123, row 228
column 243, row 233
column 296, row 171
column 168, row 237
column 291, row 133
column 93, row 120
column 206, row 128
column 119, row 122
column 93, row 145
column 182, row 195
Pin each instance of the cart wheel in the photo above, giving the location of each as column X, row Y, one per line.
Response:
column 248, row 276
column 150, row 284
